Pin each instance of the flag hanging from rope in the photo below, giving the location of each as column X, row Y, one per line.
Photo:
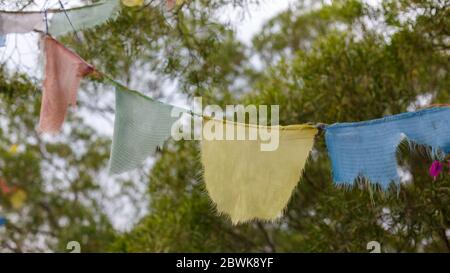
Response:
column 368, row 149
column 141, row 125
column 64, row 70
column 246, row 183
column 83, row 17
column 21, row 22
column 132, row 3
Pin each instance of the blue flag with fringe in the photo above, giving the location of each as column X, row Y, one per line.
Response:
column 368, row 149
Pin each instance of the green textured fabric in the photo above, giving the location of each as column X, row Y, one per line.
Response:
column 82, row 18
column 140, row 126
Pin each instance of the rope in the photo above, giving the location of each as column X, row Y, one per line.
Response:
column 70, row 22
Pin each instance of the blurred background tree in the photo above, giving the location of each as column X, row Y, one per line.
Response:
column 321, row 61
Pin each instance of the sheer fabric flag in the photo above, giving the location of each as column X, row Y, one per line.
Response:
column 83, row 17
column 2, row 40
column 16, row 22
column 141, row 125
column 368, row 149
column 64, row 70
column 246, row 183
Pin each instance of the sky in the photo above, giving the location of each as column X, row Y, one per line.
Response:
column 251, row 22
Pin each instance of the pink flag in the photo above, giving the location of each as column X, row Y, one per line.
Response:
column 64, row 70
column 170, row 4
column 435, row 169
column 4, row 187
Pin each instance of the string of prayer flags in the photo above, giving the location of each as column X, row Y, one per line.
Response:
column 2, row 40
column 64, row 70
column 368, row 149
column 247, row 183
column 62, row 21
column 21, row 22
column 2, row 221
column 132, row 3
column 243, row 180
column 141, row 125
column 83, row 17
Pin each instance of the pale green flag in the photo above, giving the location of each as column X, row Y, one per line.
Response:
column 140, row 126
column 83, row 17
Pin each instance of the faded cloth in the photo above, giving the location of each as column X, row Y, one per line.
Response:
column 2, row 40
column 141, row 125
column 15, row 22
column 368, row 149
column 64, row 70
column 83, row 17
column 246, row 183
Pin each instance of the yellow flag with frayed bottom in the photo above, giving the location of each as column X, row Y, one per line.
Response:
column 247, row 183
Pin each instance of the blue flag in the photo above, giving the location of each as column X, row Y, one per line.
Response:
column 368, row 149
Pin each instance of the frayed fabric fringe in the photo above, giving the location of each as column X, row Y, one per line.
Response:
column 368, row 148
column 246, row 183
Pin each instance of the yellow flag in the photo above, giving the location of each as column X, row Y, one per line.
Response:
column 18, row 199
column 247, row 183
column 132, row 3
column 13, row 149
